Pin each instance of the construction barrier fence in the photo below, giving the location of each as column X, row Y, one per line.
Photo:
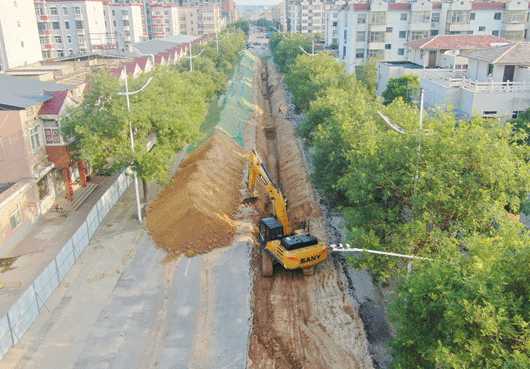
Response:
column 25, row 310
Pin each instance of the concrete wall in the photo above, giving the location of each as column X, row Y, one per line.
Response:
column 15, row 151
column 19, row 36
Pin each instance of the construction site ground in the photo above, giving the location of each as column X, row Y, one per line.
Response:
column 132, row 304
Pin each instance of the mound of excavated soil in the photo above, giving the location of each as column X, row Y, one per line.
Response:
column 194, row 213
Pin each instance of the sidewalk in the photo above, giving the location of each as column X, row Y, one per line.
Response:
column 36, row 250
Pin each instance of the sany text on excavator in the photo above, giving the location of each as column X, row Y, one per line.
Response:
column 278, row 242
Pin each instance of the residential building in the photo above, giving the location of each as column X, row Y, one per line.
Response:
column 162, row 20
column 72, row 27
column 278, row 16
column 495, row 82
column 125, row 23
column 200, row 20
column 382, row 29
column 19, row 38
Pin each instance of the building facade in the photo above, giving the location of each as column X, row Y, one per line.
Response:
column 19, row 38
column 125, row 22
column 382, row 30
column 74, row 27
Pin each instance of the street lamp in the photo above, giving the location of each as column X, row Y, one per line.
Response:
column 126, row 93
column 193, row 56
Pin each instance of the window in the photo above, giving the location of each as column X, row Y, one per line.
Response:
column 361, row 18
column 18, row 24
column 343, row 52
column 42, row 26
column 359, row 53
column 79, row 24
column 125, row 12
column 377, row 37
column 361, row 36
column 402, row 34
column 481, row 28
column 77, row 10
column 56, row 25
column 421, row 17
column 497, row 16
column 53, row 11
column 69, row 39
column 494, row 33
column 458, row 17
column 401, row 51
column 125, row 23
column 489, row 114
column 388, row 46
column 15, row 218
column 34, row 136
column 52, row 135
column 345, row 35
column 39, row 10
column 58, row 39
column 490, row 69
column 375, row 53
column 516, row 113
column 67, row 25
column 472, row 16
column 60, row 53
column 70, row 52
column 113, row 12
column 378, row 18
column 435, row 18
column 434, row 32
column 418, row 35
column 65, row 10
column 389, row 29
column 43, row 40
column 403, row 16
column 81, row 39
column 21, row 43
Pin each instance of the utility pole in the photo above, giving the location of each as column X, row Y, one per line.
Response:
column 126, row 93
column 217, row 41
column 191, row 56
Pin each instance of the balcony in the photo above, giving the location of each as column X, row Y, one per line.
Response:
column 514, row 27
column 420, row 26
column 375, row 45
column 460, row 27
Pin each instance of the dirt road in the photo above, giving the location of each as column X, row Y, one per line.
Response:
column 300, row 322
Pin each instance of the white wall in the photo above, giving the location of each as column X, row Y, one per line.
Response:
column 19, row 36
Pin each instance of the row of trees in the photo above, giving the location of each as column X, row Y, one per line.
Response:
column 172, row 109
column 450, row 192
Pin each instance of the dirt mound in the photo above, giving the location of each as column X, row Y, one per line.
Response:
column 194, row 213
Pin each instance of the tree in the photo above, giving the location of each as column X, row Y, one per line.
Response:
column 285, row 48
column 310, row 75
column 406, row 87
column 522, row 124
column 367, row 74
column 467, row 310
column 401, row 199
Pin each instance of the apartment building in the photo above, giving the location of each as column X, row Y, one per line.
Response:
column 19, row 38
column 72, row 27
column 306, row 16
column 382, row 30
column 125, row 22
column 278, row 15
column 162, row 19
column 200, row 20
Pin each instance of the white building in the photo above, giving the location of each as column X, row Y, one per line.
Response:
column 72, row 27
column 163, row 20
column 495, row 84
column 19, row 38
column 201, row 20
column 125, row 23
column 382, row 30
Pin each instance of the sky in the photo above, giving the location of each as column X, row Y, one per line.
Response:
column 257, row 2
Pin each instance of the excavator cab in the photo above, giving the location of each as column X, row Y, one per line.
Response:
column 269, row 229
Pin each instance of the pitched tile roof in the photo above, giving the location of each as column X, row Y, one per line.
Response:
column 399, row 6
column 457, row 42
column 55, row 104
column 130, row 68
column 22, row 92
column 142, row 62
column 515, row 54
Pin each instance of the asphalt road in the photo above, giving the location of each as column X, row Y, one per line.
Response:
column 123, row 306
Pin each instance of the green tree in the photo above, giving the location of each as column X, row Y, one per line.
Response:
column 522, row 124
column 285, row 48
column 467, row 310
column 367, row 73
column 310, row 75
column 406, row 87
column 414, row 201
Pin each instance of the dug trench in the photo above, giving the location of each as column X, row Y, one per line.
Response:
column 299, row 322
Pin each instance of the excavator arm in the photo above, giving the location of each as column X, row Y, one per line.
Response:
column 257, row 170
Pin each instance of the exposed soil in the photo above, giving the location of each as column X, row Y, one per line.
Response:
column 300, row 322
column 195, row 212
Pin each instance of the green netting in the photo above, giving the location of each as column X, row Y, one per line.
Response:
column 232, row 110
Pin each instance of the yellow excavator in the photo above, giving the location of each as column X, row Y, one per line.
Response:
column 277, row 240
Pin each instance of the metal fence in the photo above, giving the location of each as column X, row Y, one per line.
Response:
column 25, row 310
